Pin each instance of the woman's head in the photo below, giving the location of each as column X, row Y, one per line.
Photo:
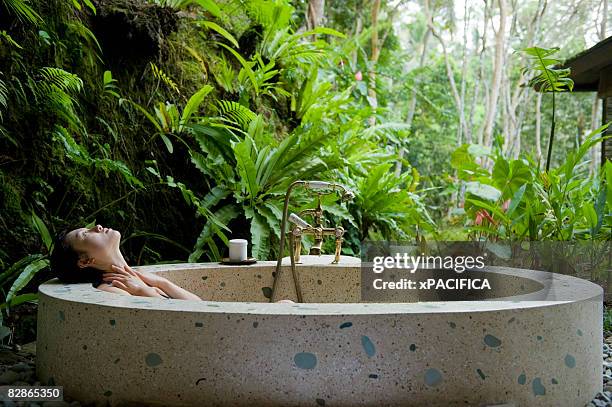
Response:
column 79, row 253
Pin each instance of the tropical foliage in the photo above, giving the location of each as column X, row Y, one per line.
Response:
column 182, row 123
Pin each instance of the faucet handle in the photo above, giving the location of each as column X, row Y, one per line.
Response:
column 339, row 231
column 296, row 220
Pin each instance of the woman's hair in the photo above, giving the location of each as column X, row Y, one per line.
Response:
column 64, row 263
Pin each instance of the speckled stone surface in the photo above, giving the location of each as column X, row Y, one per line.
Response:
column 542, row 348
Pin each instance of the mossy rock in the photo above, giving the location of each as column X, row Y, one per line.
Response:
column 132, row 30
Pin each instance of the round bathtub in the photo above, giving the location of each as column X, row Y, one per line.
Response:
column 538, row 347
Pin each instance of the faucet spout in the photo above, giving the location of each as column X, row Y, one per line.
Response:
column 315, row 249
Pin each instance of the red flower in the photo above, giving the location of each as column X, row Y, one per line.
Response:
column 482, row 215
column 358, row 76
column 479, row 217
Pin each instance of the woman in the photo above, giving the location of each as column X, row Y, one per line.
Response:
column 92, row 255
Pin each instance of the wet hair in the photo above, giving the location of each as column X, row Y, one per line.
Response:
column 64, row 263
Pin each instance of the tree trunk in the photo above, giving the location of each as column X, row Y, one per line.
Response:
column 464, row 65
column 520, row 98
column 479, row 75
column 372, row 98
column 595, row 122
column 491, row 109
column 449, row 73
column 315, row 14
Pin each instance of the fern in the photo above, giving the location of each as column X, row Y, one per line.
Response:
column 236, row 113
column 88, row 37
column 55, row 80
column 79, row 155
column 23, row 11
column 56, row 89
column 274, row 16
column 162, row 76
column 224, row 74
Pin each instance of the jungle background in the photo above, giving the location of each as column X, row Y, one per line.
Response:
column 181, row 123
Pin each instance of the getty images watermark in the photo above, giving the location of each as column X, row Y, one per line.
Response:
column 475, row 271
column 410, row 263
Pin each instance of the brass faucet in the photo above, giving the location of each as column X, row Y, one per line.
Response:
column 301, row 227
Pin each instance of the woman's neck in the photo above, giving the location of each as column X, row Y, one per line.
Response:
column 115, row 259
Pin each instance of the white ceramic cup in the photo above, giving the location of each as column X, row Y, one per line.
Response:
column 237, row 250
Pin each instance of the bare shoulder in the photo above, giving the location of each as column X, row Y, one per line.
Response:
column 111, row 289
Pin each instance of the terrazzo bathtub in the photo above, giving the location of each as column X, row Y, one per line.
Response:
column 540, row 347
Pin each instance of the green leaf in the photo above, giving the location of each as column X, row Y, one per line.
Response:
column 516, row 199
column 463, row 161
column 221, row 217
column 43, row 232
column 148, row 115
column 260, row 234
column 19, row 265
column 220, row 30
column 590, row 214
column 167, row 142
column 246, row 166
column 23, row 11
column 19, row 299
column 483, row 191
column 194, row 102
column 26, row 275
column 326, row 31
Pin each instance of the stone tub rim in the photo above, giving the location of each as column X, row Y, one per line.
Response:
column 564, row 289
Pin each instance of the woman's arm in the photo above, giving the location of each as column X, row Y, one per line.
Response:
column 176, row 291
column 144, row 292
column 167, row 286
column 112, row 289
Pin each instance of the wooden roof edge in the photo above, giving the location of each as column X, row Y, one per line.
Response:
column 601, row 44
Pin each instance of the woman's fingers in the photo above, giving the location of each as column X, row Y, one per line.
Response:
column 119, row 284
column 139, row 275
column 115, row 277
column 119, row 270
column 129, row 270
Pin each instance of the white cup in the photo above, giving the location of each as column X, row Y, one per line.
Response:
column 238, row 250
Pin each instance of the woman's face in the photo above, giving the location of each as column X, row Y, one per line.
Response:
column 96, row 245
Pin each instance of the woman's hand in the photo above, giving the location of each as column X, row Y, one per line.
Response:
column 126, row 279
